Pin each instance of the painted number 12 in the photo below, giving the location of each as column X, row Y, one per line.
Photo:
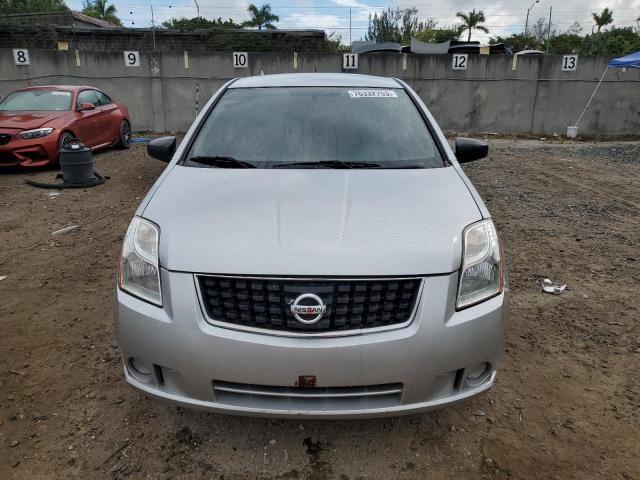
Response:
column 459, row 62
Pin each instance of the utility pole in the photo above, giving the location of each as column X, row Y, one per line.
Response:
column 526, row 25
column 349, row 26
column 549, row 29
column 197, row 7
column 153, row 29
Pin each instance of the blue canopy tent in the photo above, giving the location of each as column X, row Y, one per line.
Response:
column 628, row 61
column 631, row 60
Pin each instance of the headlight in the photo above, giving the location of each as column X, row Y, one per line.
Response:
column 481, row 276
column 139, row 271
column 37, row 133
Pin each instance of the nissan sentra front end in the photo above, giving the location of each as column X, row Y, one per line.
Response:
column 438, row 356
column 348, row 284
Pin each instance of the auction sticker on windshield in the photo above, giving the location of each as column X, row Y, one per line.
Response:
column 372, row 93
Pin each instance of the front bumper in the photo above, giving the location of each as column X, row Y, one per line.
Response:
column 36, row 152
column 187, row 357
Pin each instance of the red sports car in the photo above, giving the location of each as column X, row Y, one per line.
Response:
column 36, row 121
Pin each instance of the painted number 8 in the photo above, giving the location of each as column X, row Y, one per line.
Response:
column 21, row 56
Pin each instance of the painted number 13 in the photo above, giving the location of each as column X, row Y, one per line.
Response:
column 569, row 63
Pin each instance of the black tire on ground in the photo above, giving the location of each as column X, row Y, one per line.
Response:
column 124, row 135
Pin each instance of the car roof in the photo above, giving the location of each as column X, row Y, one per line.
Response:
column 70, row 88
column 315, row 80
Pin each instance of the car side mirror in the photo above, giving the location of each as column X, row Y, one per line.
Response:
column 86, row 106
column 470, row 149
column 162, row 148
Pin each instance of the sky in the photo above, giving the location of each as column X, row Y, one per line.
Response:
column 502, row 17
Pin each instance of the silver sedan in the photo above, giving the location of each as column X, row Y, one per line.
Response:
column 313, row 249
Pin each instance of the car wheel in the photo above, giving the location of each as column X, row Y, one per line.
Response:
column 63, row 140
column 124, row 137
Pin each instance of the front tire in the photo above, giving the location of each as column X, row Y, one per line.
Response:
column 124, row 134
column 63, row 139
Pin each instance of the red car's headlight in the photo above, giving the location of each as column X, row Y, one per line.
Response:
column 36, row 133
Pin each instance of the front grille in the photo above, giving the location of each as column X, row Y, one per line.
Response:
column 4, row 138
column 307, row 398
column 351, row 304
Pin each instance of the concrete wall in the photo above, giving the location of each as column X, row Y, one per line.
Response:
column 536, row 97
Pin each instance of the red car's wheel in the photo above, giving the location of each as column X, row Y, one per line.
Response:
column 64, row 139
column 124, row 137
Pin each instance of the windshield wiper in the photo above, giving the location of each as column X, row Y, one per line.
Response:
column 326, row 164
column 221, row 162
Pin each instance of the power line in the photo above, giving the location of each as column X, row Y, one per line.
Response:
column 336, row 7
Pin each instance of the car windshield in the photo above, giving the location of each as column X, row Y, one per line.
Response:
column 30, row 100
column 314, row 127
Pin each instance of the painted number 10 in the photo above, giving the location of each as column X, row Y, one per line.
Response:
column 240, row 60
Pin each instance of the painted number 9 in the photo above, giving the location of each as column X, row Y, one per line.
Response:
column 569, row 63
column 21, row 56
column 240, row 60
column 131, row 59
column 459, row 61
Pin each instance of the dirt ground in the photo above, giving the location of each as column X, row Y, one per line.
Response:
column 567, row 400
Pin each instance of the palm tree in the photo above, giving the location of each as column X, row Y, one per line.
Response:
column 100, row 10
column 472, row 20
column 605, row 18
column 261, row 17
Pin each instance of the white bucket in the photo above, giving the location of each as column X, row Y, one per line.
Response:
column 572, row 132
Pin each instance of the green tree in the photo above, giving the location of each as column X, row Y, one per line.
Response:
column 617, row 41
column 261, row 17
column 410, row 25
column 565, row 43
column 518, row 42
column 603, row 19
column 438, row 34
column 384, row 27
column 29, row 6
column 472, row 20
column 334, row 43
column 396, row 25
column 100, row 10
column 199, row 23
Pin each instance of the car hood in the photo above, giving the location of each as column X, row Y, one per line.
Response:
column 27, row 120
column 318, row 222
